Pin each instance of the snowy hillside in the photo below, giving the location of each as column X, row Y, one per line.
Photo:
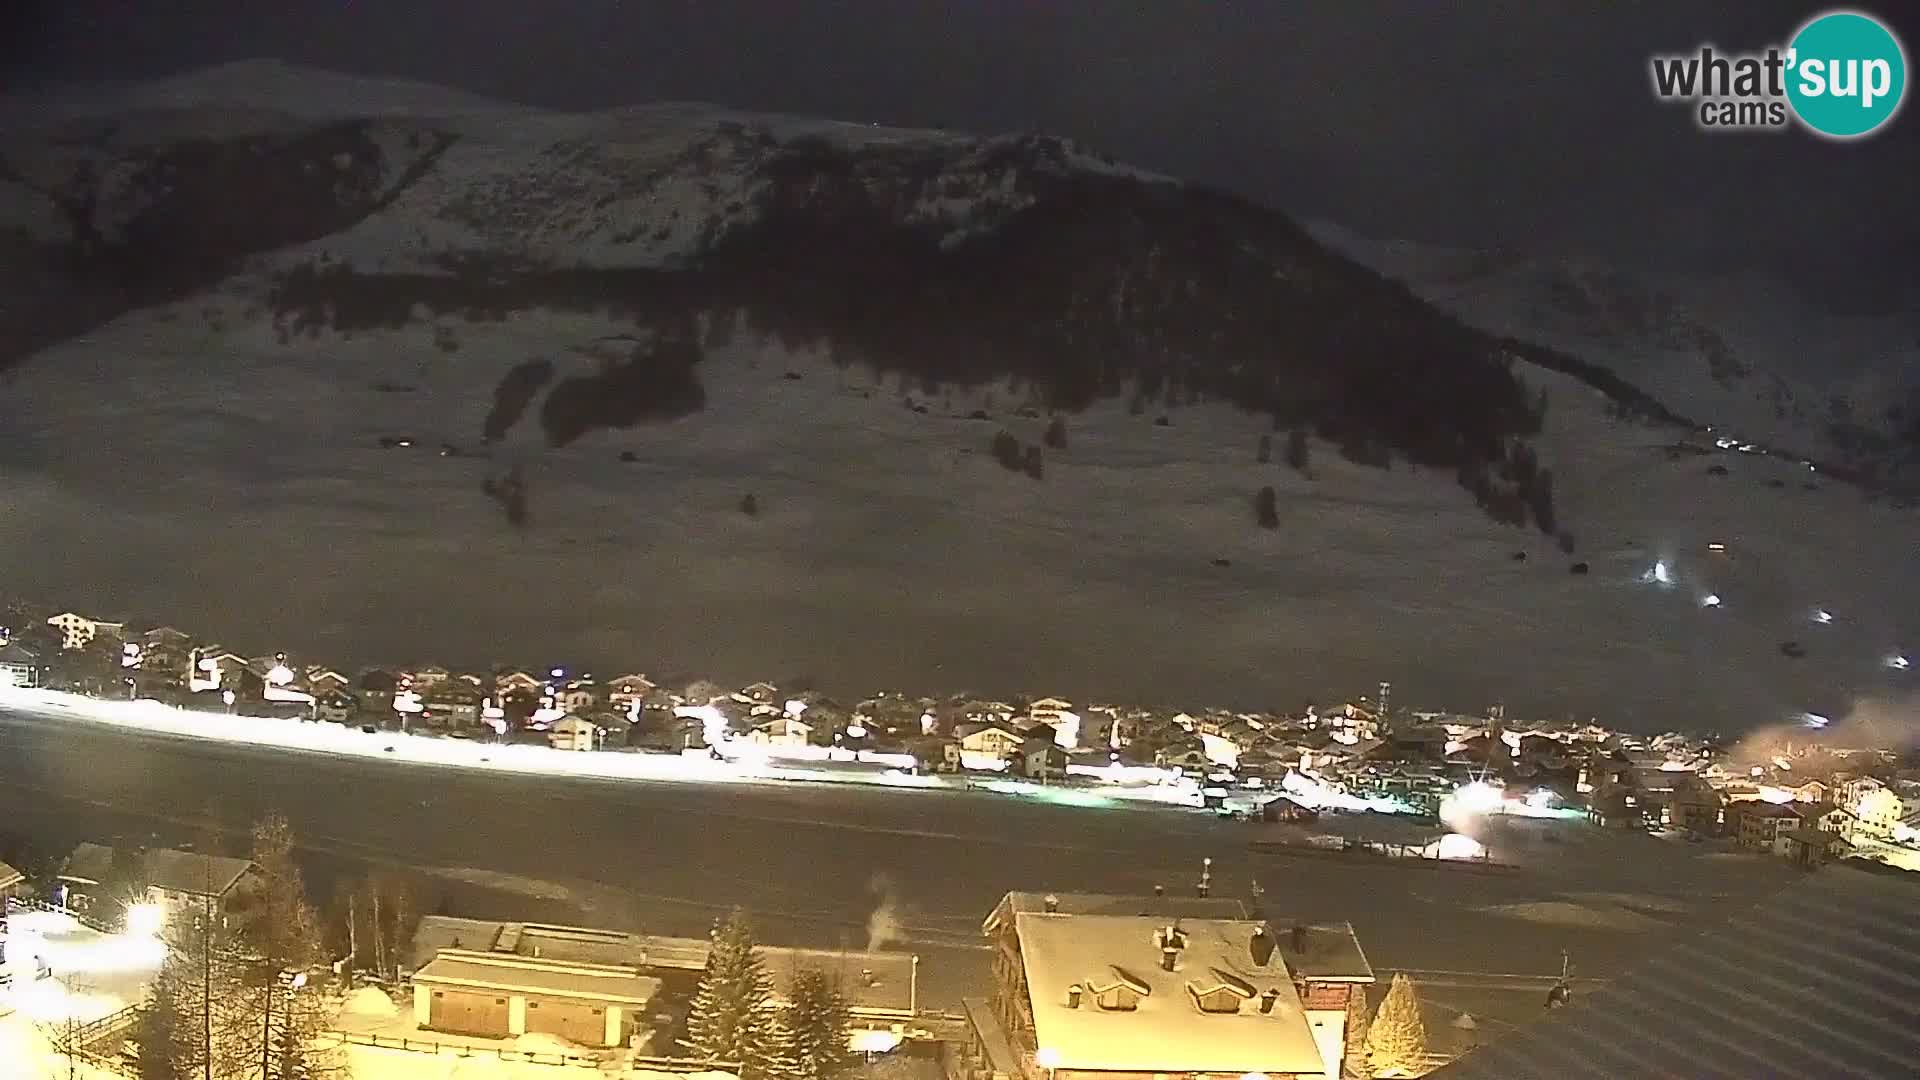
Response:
column 487, row 386
column 1743, row 353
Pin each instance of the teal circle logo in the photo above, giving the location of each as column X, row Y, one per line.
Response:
column 1847, row 74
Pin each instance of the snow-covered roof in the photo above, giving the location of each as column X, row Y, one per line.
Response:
column 873, row 982
column 10, row 877
column 550, row 978
column 1165, row 1031
column 1074, row 903
column 186, row 872
column 1819, row 980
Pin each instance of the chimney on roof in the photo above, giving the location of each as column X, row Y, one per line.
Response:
column 1299, row 937
column 1261, row 946
column 1051, row 903
column 1073, row 996
column 1268, row 999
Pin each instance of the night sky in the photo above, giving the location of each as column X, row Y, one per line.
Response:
column 1508, row 124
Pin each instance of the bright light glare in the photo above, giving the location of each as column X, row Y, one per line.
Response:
column 146, row 920
column 1311, row 792
column 1710, row 600
column 1455, row 846
column 1814, row 720
column 1823, row 616
column 1899, row 663
column 1478, row 797
column 874, row 1041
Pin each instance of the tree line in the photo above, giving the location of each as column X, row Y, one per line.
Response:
column 735, row 1020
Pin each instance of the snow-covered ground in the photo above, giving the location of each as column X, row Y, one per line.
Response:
column 233, row 484
column 63, row 975
column 756, row 765
column 1745, row 353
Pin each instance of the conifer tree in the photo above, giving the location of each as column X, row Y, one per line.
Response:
column 723, row 1024
column 158, row 1048
column 817, row 1026
column 1297, row 450
column 1397, row 1040
column 1266, row 510
column 769, row 1052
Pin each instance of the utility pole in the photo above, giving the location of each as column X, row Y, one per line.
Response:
column 206, row 973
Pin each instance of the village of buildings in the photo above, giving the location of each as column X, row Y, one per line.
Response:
column 1098, row 987
column 1800, row 798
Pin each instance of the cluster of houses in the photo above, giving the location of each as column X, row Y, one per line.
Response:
column 1810, row 806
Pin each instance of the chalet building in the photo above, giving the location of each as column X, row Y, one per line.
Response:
column 182, row 882
column 512, row 681
column 452, row 705
column 991, row 740
column 165, row 657
column 572, row 732
column 19, row 667
column 1697, row 805
column 1760, row 825
column 12, row 882
column 760, row 693
column 375, row 688
column 1041, row 758
column 78, row 631
column 628, row 694
column 335, row 706
column 501, row 996
column 594, row 987
column 321, row 680
column 1117, row 988
column 1879, row 810
column 781, row 730
column 578, row 696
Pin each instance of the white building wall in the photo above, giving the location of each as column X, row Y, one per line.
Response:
column 1330, row 1035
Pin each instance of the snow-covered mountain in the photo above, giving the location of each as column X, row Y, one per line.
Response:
column 1745, row 353
column 384, row 373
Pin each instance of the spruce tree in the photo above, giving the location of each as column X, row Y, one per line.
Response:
column 1056, row 435
column 1397, row 1040
column 1266, row 510
column 1297, row 450
column 157, row 1048
column 769, row 1052
column 818, row 1026
column 277, row 921
column 734, row 988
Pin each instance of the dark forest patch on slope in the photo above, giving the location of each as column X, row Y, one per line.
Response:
column 1102, row 286
column 203, row 206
